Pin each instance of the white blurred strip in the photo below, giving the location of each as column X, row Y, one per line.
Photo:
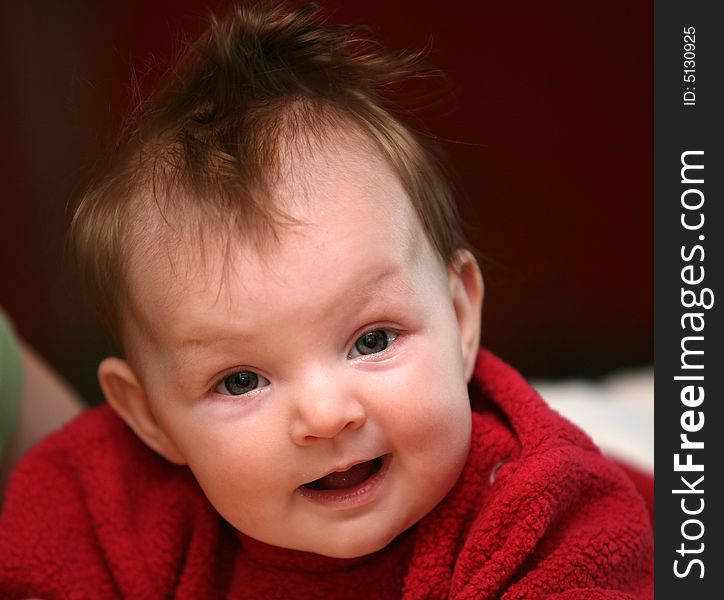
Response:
column 617, row 412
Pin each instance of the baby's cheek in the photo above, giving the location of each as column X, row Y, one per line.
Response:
column 234, row 492
column 437, row 417
column 451, row 428
column 225, row 470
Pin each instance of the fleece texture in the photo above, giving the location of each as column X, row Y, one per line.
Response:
column 538, row 512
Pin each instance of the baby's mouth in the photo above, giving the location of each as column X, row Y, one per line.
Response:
column 340, row 480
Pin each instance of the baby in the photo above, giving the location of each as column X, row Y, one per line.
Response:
column 281, row 261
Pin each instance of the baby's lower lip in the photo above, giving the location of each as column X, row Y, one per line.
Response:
column 350, row 497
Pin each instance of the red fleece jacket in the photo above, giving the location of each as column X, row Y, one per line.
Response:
column 537, row 512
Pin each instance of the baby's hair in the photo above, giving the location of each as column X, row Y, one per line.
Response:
column 206, row 148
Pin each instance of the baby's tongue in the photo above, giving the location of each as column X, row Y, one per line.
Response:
column 344, row 479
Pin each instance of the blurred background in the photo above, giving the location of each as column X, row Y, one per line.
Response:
column 547, row 119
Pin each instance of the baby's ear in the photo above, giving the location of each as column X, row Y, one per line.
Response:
column 126, row 395
column 466, row 289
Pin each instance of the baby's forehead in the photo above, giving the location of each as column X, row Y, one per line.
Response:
column 316, row 167
column 338, row 196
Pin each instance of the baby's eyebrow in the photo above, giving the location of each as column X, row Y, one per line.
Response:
column 201, row 342
column 379, row 280
column 368, row 292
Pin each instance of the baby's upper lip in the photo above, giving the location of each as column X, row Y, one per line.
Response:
column 344, row 467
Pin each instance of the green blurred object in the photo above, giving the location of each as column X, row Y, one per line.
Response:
column 11, row 380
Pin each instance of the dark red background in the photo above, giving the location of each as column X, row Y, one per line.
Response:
column 547, row 119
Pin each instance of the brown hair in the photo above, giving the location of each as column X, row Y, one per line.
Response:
column 206, row 145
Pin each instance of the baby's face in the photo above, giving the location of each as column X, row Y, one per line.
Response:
column 319, row 394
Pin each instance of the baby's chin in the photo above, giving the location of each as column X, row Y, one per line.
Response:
column 352, row 548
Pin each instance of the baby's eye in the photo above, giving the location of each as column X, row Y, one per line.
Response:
column 372, row 342
column 239, row 383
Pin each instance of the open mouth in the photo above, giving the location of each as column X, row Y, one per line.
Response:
column 342, row 480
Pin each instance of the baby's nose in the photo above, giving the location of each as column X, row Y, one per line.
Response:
column 324, row 415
